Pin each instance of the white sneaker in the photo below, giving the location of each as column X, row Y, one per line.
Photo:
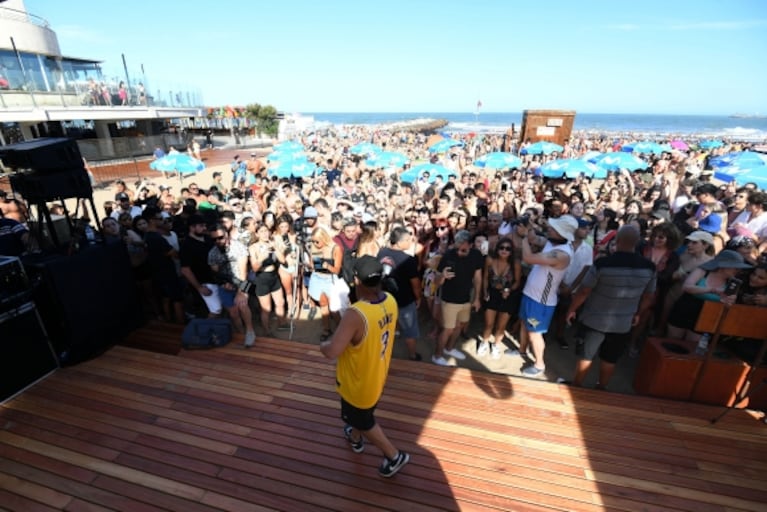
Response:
column 250, row 339
column 484, row 349
column 454, row 352
column 441, row 361
column 513, row 352
column 495, row 352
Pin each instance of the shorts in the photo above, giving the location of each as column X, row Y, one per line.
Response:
column 408, row 321
column 453, row 314
column 212, row 301
column 537, row 316
column 266, row 283
column 609, row 345
column 508, row 305
column 361, row 419
column 227, row 297
column 320, row 284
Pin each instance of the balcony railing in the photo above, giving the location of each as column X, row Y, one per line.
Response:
column 6, row 13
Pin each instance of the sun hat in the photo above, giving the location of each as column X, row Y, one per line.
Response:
column 712, row 223
column 565, row 226
column 725, row 259
column 368, row 270
column 701, row 236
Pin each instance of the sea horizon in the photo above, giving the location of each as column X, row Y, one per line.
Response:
column 651, row 125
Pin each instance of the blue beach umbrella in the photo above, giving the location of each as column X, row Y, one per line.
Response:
column 588, row 155
column 499, row 160
column 293, row 168
column 711, row 144
column 756, row 175
column 542, row 148
column 177, row 162
column 619, row 160
column 569, row 168
column 365, row 148
column 289, row 145
column 285, row 155
column 742, row 159
column 646, row 147
column 444, row 145
column 434, row 170
column 387, row 159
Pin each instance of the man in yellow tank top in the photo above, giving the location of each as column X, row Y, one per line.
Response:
column 363, row 343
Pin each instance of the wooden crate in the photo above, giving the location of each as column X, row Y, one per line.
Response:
column 664, row 373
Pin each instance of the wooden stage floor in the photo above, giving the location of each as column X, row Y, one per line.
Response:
column 240, row 430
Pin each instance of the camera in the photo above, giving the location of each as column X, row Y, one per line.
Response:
column 522, row 219
column 732, row 286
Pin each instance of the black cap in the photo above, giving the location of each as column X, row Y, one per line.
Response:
column 368, row 270
column 122, row 196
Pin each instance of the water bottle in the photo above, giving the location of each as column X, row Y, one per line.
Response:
column 702, row 344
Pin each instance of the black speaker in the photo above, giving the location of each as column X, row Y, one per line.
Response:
column 87, row 300
column 25, row 353
column 37, row 187
column 42, row 155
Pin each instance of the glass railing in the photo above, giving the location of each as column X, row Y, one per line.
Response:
column 6, row 13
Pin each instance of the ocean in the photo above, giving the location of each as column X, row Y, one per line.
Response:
column 752, row 129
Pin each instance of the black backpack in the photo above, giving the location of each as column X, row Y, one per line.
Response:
column 347, row 262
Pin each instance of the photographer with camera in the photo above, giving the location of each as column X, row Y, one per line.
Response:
column 263, row 274
column 228, row 259
column 303, row 227
column 325, row 285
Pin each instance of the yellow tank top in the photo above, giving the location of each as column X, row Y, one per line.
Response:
column 361, row 370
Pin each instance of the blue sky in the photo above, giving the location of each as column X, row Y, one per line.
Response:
column 685, row 57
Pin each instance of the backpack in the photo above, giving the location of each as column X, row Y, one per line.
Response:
column 347, row 262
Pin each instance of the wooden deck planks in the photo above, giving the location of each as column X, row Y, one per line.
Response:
column 235, row 429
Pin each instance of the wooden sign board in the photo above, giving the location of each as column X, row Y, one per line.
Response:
column 549, row 125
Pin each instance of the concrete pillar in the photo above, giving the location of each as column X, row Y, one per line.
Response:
column 106, row 146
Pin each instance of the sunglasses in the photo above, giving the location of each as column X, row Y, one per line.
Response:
column 504, row 247
column 441, row 227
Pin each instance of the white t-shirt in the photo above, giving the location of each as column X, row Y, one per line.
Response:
column 543, row 282
column 582, row 257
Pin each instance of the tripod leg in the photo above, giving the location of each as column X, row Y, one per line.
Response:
column 735, row 405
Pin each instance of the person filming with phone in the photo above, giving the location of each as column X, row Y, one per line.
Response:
column 714, row 280
column 459, row 273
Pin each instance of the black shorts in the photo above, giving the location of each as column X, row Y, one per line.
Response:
column 361, row 419
column 507, row 305
column 170, row 287
column 266, row 283
column 610, row 346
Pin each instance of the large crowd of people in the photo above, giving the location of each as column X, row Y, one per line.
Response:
column 531, row 255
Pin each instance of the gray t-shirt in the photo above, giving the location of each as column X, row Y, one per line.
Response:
column 618, row 282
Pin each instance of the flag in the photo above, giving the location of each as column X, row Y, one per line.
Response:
column 479, row 104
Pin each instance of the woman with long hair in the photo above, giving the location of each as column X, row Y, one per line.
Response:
column 286, row 250
column 326, row 258
column 368, row 240
column 263, row 267
column 501, row 282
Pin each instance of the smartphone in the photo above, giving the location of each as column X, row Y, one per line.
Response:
column 732, row 286
column 504, row 187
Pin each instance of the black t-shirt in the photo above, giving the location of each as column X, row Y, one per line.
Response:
column 194, row 254
column 458, row 289
column 160, row 261
column 11, row 234
column 404, row 268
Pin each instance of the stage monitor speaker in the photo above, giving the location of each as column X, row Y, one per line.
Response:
column 88, row 301
column 42, row 155
column 26, row 355
column 37, row 187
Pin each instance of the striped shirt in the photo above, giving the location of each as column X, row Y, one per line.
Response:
column 543, row 282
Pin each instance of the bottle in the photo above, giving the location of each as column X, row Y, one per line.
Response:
column 702, row 344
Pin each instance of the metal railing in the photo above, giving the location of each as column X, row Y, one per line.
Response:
column 7, row 13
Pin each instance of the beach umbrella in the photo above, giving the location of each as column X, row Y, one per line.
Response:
column 756, row 175
column 588, row 155
column 742, row 159
column 444, row 145
column 177, row 162
column 285, row 155
column 289, row 145
column 387, row 159
column 365, row 148
column 293, row 169
column 434, row 170
column 499, row 160
column 679, row 145
column 542, row 148
column 646, row 147
column 570, row 168
column 618, row 160
column 711, row 144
